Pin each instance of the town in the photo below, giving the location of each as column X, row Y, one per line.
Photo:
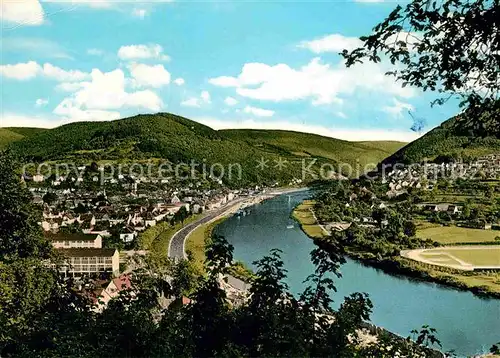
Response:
column 97, row 226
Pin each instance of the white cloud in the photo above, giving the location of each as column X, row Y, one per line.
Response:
column 144, row 75
column 197, row 101
column 61, row 75
column 224, row 81
column 331, row 43
column 69, row 86
column 95, row 52
column 140, row 13
column 179, row 81
column 40, row 102
column 144, row 99
column 104, row 4
column 25, row 12
column 96, row 4
column 31, row 69
column 341, row 114
column 191, row 102
column 105, row 91
column 70, row 113
column 22, row 120
column 259, row 112
column 396, row 110
column 205, row 96
column 142, row 52
column 340, row 133
column 20, row 71
column 317, row 81
column 230, row 101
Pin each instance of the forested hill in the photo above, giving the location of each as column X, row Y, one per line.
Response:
column 459, row 137
column 178, row 139
column 9, row 135
column 313, row 145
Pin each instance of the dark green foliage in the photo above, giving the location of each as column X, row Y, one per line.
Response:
column 314, row 146
column 49, row 198
column 495, row 349
column 389, row 230
column 13, row 134
column 450, row 47
column 7, row 137
column 461, row 137
column 20, row 235
column 42, row 315
column 179, row 140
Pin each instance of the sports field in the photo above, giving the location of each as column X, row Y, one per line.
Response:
column 467, row 258
column 447, row 235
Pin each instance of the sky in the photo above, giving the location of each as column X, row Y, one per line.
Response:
column 226, row 64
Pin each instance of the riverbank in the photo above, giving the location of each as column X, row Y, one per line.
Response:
column 196, row 240
column 482, row 284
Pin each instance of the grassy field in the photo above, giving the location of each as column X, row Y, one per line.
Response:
column 157, row 238
column 477, row 256
column 303, row 214
column 196, row 241
column 14, row 134
column 490, row 281
column 195, row 247
column 7, row 136
column 447, row 235
column 459, row 257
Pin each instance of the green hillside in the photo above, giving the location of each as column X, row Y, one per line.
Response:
column 14, row 134
column 460, row 136
column 387, row 146
column 178, row 139
column 7, row 136
column 313, row 145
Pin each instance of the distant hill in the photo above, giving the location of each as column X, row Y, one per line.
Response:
column 313, row 145
column 179, row 139
column 460, row 136
column 387, row 146
column 13, row 134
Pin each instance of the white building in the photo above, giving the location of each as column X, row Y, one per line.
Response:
column 80, row 262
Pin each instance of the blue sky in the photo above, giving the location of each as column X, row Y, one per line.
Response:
column 226, row 64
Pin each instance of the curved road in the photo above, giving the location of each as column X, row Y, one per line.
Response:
column 177, row 242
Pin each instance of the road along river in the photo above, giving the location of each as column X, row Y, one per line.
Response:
column 465, row 323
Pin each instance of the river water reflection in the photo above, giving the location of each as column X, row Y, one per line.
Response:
column 465, row 323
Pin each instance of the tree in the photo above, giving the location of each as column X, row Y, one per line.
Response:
column 42, row 314
column 49, row 198
column 20, row 235
column 495, row 349
column 181, row 215
column 410, row 229
column 450, row 47
column 490, row 192
column 184, row 278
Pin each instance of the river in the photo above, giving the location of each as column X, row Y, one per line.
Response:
column 465, row 323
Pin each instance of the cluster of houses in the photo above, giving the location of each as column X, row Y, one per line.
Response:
column 84, row 256
column 106, row 215
column 78, row 220
column 451, row 209
column 426, row 175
